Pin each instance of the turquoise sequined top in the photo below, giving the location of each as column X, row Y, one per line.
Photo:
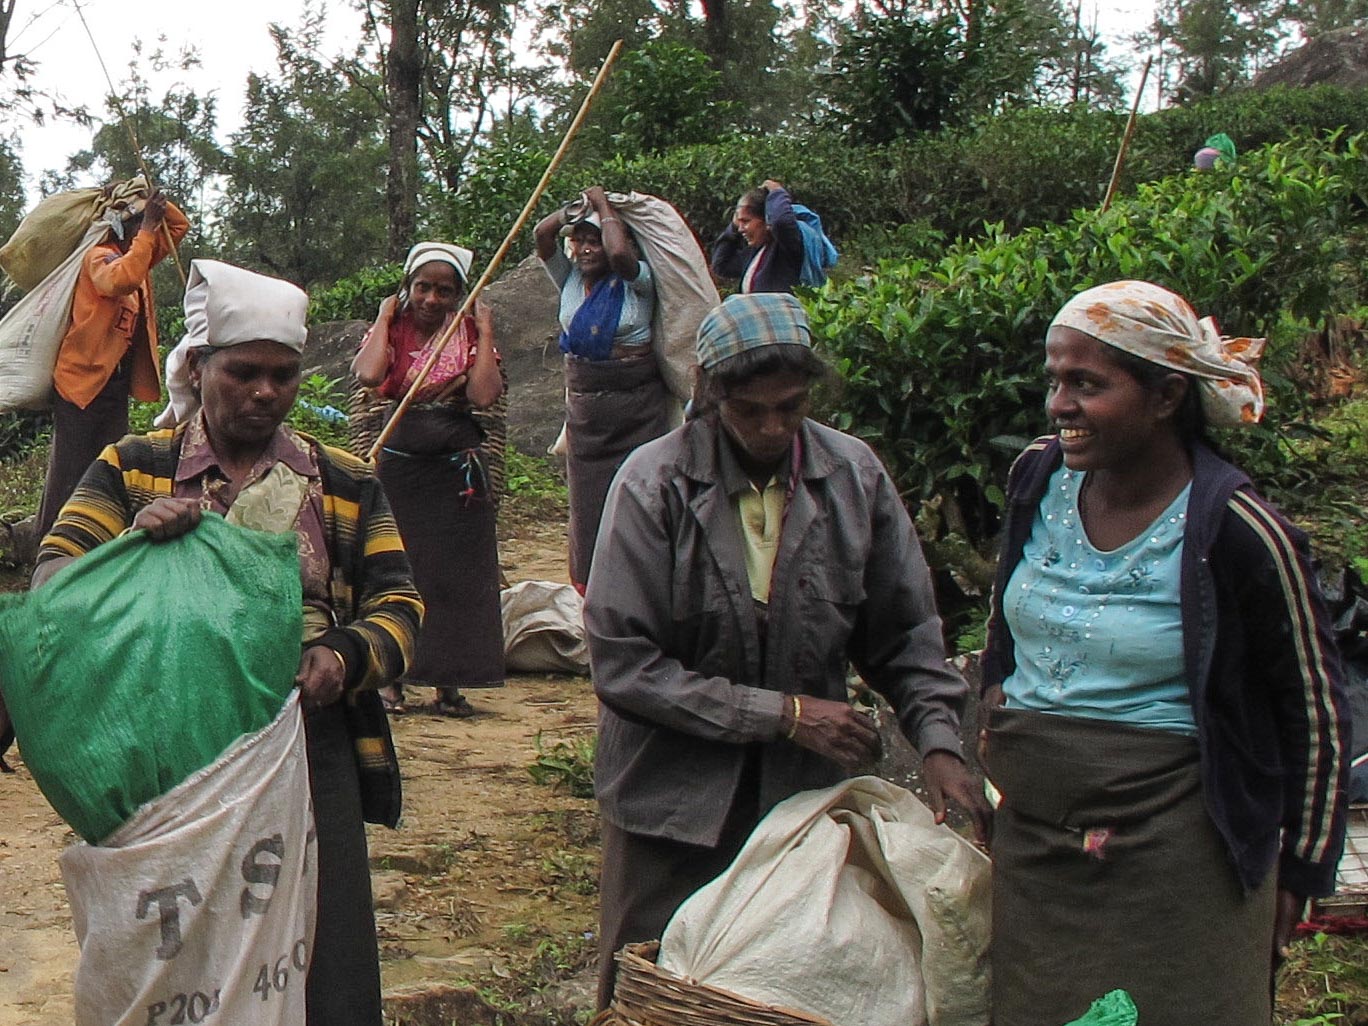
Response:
column 1099, row 634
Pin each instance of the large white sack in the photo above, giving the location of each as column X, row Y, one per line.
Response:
column 849, row 903
column 201, row 907
column 32, row 333
column 543, row 627
column 684, row 287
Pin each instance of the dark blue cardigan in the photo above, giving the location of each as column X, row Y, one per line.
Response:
column 1263, row 671
column 783, row 263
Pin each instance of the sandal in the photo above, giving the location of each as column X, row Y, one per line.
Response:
column 392, row 698
column 454, row 704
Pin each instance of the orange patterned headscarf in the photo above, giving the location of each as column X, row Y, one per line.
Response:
column 1160, row 326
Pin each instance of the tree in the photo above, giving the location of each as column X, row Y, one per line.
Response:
column 895, row 76
column 175, row 137
column 448, row 66
column 662, row 95
column 1316, row 17
column 404, row 102
column 747, row 44
column 304, row 196
column 1092, row 77
column 11, row 189
column 1209, row 47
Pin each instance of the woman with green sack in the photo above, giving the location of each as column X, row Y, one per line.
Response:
column 232, row 454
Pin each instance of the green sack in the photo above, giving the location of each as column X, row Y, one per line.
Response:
column 1114, row 1009
column 142, row 662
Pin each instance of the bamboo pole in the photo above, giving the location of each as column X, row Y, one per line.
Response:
column 497, row 259
column 1126, row 138
column 132, row 136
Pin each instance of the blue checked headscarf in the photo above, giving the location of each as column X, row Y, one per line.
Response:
column 751, row 321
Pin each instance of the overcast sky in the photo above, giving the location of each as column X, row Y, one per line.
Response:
column 232, row 39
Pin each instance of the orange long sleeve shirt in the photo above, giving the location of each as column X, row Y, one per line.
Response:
column 113, row 313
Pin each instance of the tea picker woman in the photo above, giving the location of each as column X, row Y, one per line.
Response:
column 433, row 471
column 615, row 397
column 1166, row 719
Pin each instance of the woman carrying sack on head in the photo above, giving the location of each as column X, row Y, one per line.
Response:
column 434, row 473
column 615, row 399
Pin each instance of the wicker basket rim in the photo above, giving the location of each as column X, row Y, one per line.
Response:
column 639, row 960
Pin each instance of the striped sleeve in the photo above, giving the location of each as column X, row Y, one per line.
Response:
column 388, row 610
column 97, row 512
column 1304, row 669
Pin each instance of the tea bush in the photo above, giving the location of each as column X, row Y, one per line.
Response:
column 356, row 297
column 941, row 356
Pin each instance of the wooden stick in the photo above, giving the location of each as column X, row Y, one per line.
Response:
column 497, row 260
column 1126, row 138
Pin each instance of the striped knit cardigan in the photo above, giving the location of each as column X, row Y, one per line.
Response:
column 1263, row 671
column 377, row 607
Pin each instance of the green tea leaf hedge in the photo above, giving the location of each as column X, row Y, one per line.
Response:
column 941, row 357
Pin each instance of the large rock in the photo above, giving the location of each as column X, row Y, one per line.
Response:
column 524, row 302
column 1338, row 58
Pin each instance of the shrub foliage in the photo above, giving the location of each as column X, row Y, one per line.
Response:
column 941, row 356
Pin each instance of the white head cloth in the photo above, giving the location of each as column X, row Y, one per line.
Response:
column 1160, row 326
column 227, row 306
column 440, row 252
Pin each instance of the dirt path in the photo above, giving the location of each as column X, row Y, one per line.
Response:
column 491, row 876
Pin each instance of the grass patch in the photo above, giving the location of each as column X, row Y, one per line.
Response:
column 566, row 763
column 1325, row 981
column 533, row 478
column 21, row 481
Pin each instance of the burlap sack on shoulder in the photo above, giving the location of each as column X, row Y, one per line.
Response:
column 684, row 287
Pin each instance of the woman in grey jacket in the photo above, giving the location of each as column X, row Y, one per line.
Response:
column 744, row 561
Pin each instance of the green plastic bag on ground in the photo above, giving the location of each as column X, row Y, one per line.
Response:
column 1113, row 1009
column 140, row 663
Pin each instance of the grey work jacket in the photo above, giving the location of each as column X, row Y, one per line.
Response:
column 675, row 647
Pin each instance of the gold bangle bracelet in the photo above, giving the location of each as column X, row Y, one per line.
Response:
column 797, row 715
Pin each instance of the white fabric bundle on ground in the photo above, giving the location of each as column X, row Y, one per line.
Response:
column 849, row 903
column 201, row 907
column 543, row 627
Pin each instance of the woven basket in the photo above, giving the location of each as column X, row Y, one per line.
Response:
column 646, row 995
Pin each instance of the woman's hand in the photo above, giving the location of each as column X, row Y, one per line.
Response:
column 771, row 184
column 371, row 362
column 1289, row 910
column 482, row 382
column 167, row 518
column 833, row 730
column 598, row 199
column 948, row 778
column 321, row 676
column 484, row 324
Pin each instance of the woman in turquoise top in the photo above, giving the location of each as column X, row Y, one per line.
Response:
column 1165, row 716
column 615, row 398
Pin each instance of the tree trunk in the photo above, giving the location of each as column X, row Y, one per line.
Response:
column 716, row 31
column 403, row 74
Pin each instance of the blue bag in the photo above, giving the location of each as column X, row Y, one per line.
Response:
column 818, row 251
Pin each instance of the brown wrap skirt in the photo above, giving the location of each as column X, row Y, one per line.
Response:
column 1108, row 873
column 611, row 407
column 433, row 474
